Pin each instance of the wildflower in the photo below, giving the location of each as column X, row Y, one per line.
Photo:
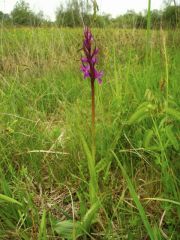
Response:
column 90, row 60
column 89, row 70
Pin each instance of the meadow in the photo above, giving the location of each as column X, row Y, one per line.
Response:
column 45, row 125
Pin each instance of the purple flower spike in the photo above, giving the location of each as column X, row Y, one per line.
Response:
column 90, row 60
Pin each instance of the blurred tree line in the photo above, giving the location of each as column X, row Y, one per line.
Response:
column 75, row 13
column 22, row 15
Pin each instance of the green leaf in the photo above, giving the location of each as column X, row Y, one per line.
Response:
column 148, row 137
column 9, row 199
column 90, row 216
column 42, row 230
column 164, row 200
column 138, row 116
column 68, row 229
column 101, row 165
column 141, row 113
column 93, row 186
column 88, row 153
column 173, row 113
column 136, row 200
column 172, row 137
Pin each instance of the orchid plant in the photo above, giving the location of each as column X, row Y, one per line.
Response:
column 88, row 67
column 73, row 229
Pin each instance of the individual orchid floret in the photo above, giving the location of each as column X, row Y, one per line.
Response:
column 86, row 70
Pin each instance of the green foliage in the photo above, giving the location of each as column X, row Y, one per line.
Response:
column 72, row 230
column 141, row 113
column 70, row 16
column 42, row 229
column 9, row 200
column 93, row 186
column 24, row 16
column 130, row 20
column 76, row 13
column 171, row 16
column 5, row 18
column 136, row 200
column 46, row 165
column 68, row 229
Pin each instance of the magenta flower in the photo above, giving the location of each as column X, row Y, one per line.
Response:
column 90, row 60
column 86, row 70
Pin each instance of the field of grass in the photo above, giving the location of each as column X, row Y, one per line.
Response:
column 45, row 126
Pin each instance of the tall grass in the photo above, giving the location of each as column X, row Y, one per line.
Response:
column 45, row 136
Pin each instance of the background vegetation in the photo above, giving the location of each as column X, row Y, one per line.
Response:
column 45, row 126
column 72, row 13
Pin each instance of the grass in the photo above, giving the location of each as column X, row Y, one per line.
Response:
column 45, row 124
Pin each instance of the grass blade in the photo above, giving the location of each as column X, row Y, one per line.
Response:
column 93, row 186
column 42, row 230
column 90, row 216
column 9, row 199
column 136, row 200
